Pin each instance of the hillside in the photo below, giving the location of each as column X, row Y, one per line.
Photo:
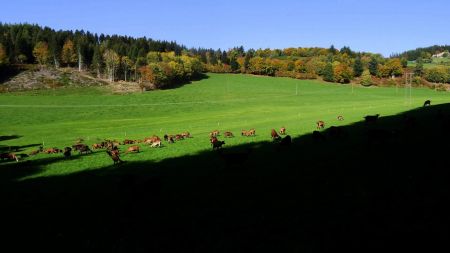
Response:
column 33, row 78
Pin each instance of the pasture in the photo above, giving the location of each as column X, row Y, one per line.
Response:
column 366, row 186
column 56, row 118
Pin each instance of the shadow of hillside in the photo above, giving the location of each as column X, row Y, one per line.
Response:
column 376, row 187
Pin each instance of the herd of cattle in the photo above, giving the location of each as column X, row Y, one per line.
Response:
column 112, row 146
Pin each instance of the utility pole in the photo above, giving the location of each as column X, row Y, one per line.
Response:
column 408, row 87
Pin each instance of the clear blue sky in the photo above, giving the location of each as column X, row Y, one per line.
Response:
column 381, row 26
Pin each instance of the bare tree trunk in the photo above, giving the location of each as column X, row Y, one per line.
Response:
column 56, row 62
column 79, row 60
column 125, row 75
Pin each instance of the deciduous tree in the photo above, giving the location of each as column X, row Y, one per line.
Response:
column 41, row 53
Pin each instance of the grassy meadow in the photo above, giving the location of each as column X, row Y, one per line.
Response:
column 58, row 117
column 369, row 188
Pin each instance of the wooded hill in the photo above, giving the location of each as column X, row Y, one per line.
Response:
column 164, row 63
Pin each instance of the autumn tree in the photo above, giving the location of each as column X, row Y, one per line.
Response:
column 41, row 53
column 3, row 56
column 112, row 60
column 68, row 54
column 343, row 73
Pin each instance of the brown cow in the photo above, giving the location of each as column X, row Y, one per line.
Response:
column 186, row 134
column 9, row 156
column 283, row 131
column 274, row 134
column 67, row 152
column 152, row 139
column 228, row 134
column 97, row 146
column 132, row 149
column 53, row 151
column 84, row 149
column 217, row 144
column 156, row 144
column 126, row 142
column 340, row 118
column 214, row 133
column 114, row 154
column 320, row 124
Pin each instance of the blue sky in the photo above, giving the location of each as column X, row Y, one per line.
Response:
column 380, row 26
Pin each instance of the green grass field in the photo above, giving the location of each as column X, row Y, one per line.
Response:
column 222, row 101
column 436, row 62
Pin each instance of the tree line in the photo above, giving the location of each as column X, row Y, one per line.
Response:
column 164, row 63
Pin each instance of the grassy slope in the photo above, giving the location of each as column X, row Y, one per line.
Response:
column 224, row 102
column 341, row 193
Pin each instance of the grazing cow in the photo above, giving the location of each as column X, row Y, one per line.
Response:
column 186, row 134
column 228, row 134
column 114, row 156
column 156, row 144
column 320, row 124
column 286, row 141
column 150, row 140
column 214, row 133
column 318, row 136
column 35, row 152
column 340, row 118
column 371, row 119
column 274, row 135
column 217, row 144
column 427, row 103
column 9, row 156
column 53, row 151
column 179, row 137
column 97, row 146
column 78, row 146
column 283, row 131
column 244, row 133
column 67, row 152
column 132, row 149
column 126, row 142
column 213, row 139
column 252, row 132
column 84, row 149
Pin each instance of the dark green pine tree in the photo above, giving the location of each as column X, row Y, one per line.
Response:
column 328, row 74
column 358, row 67
column 373, row 66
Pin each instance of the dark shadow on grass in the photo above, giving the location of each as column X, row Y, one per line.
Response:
column 179, row 84
column 378, row 187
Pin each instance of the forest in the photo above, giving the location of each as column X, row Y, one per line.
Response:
column 165, row 63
